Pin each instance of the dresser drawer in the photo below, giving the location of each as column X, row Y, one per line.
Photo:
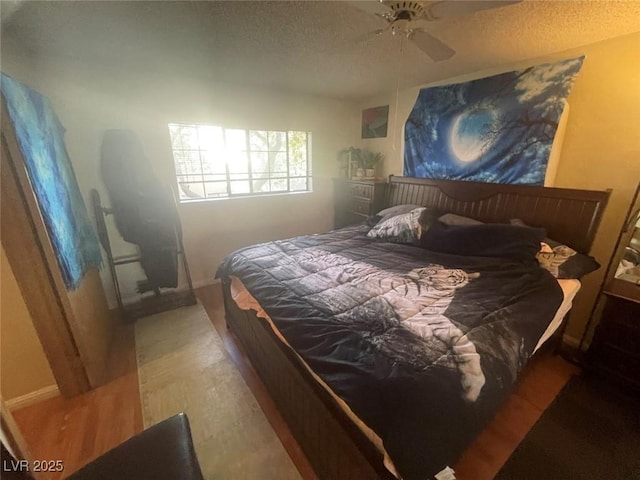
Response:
column 355, row 200
column 622, row 313
column 615, row 347
column 625, row 337
column 624, row 364
column 361, row 191
column 362, row 207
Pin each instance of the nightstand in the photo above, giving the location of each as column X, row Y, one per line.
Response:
column 615, row 348
column 355, row 200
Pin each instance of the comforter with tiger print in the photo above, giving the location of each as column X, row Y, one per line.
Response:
column 423, row 347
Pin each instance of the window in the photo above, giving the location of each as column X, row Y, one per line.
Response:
column 218, row 162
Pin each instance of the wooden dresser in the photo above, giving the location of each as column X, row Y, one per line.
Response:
column 355, row 200
column 615, row 348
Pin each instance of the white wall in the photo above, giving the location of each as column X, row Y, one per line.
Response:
column 90, row 99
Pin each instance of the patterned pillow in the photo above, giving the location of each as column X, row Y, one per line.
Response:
column 560, row 260
column 404, row 228
column 396, row 210
column 564, row 262
column 389, row 212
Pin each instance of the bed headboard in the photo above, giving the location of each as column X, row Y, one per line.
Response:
column 570, row 216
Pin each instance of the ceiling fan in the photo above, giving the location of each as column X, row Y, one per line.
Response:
column 407, row 19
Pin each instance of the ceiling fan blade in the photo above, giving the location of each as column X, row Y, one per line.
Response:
column 369, row 35
column 458, row 8
column 430, row 45
column 356, row 44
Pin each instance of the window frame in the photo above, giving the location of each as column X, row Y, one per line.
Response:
column 250, row 174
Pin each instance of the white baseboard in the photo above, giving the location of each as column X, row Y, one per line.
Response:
column 33, row 397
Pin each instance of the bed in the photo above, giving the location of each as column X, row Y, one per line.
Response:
column 387, row 359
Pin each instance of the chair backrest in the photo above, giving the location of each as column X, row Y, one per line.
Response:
column 12, row 468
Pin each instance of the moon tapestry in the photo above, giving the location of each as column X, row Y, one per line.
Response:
column 497, row 129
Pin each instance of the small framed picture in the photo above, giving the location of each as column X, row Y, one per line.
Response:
column 374, row 122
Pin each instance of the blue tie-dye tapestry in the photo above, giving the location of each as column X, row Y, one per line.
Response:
column 41, row 139
column 497, row 129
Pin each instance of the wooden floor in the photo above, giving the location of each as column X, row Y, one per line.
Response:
column 78, row 430
column 536, row 390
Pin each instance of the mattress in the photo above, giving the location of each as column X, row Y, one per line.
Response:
column 570, row 288
column 245, row 301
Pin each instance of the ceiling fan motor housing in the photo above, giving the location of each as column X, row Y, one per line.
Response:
column 405, row 19
column 405, row 10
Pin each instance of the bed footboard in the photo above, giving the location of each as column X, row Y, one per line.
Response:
column 334, row 446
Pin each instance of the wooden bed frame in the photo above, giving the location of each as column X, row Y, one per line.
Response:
column 334, row 445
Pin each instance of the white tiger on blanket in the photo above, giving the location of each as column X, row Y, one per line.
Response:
column 421, row 304
column 418, row 300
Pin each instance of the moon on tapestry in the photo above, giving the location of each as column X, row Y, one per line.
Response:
column 496, row 129
column 471, row 134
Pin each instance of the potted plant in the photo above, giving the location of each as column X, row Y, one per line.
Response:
column 361, row 162
column 370, row 161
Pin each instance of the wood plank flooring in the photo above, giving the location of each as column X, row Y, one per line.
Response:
column 538, row 387
column 78, row 430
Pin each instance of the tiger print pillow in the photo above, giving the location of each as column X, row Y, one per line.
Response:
column 560, row 260
column 404, row 228
column 564, row 262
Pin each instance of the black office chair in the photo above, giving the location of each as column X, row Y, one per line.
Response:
column 162, row 452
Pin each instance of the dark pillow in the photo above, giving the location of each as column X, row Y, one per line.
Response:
column 560, row 260
column 484, row 240
column 453, row 219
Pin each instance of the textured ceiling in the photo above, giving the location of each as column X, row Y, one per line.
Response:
column 306, row 46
